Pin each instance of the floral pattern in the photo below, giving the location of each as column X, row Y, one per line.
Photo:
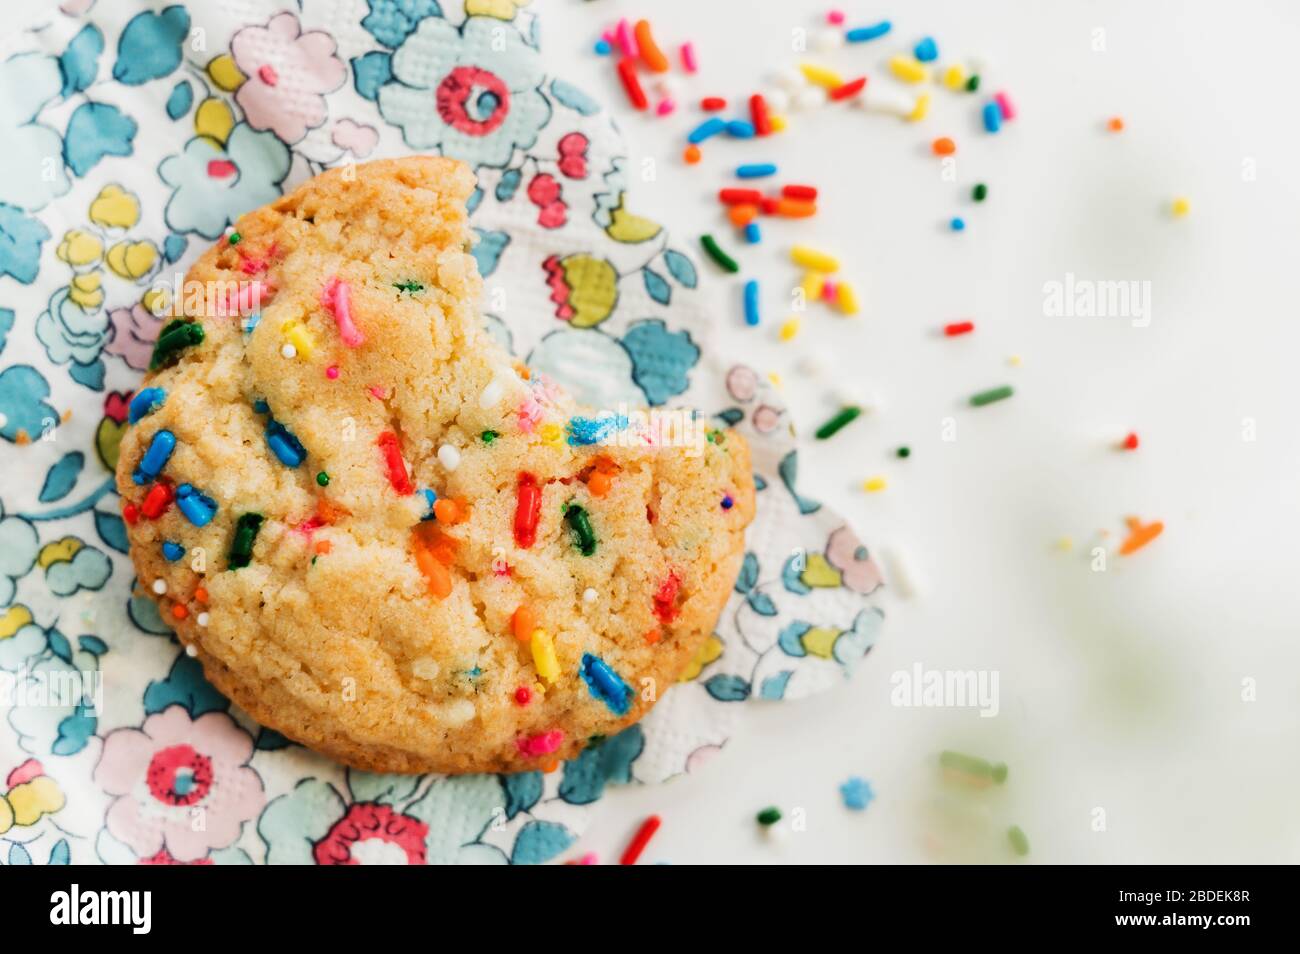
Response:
column 128, row 149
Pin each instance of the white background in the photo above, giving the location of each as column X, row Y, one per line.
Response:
column 1120, row 690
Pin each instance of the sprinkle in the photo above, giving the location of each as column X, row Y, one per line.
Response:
column 449, row 457
column 908, row 69
column 584, row 538
column 846, row 298
column 449, row 512
column 712, row 104
column 723, row 260
column 813, row 284
column 874, row 484
column 665, row 107
column 551, row 434
column 200, row 594
column 491, row 395
column 639, row 841
column 155, row 458
column 691, row 154
column 742, row 214
column 408, row 286
column 523, row 695
column 191, row 650
column 523, row 622
column 795, row 209
column 649, row 49
column 172, row 551
column 756, row 170
column 926, row 50
column 323, row 479
column 332, row 372
column 1065, row 544
column 631, row 84
column 741, row 129
column 901, row 573
column 992, row 117
column 973, row 84
column 1116, row 124
column 665, row 598
column 821, row 76
column 1019, row 840
column 586, row 431
column 811, row 258
column 145, row 403
column 287, row 448
column 992, row 395
column 1005, row 106
column 904, row 452
column 288, row 351
column 689, row 62
column 835, row 17
column 789, row 328
column 1130, row 442
column 805, row 192
column 175, row 337
column 393, row 463
column 241, row 547
column 542, row 744
column 760, row 117
column 856, row 794
column 829, row 290
column 863, row 34
column 605, row 684
column 432, row 554
column 753, row 233
column 589, row 595
column 528, row 510
column 957, row 224
column 196, row 507
column 977, row 768
column 179, row 611
column 1180, row 207
column 707, row 130
column 160, row 586
column 920, row 109
column 954, row 78
column 778, row 123
column 727, row 502
column 751, row 303
column 548, row 667
column 233, row 238
column 943, row 146
column 626, row 38
column 833, row 426
column 768, row 816
column 336, row 298
column 130, row 513
column 847, row 90
column 157, row 500
column 980, row 192
column 202, row 619
column 1139, row 535
column 956, row 328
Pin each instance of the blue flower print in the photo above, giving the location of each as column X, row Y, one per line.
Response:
column 72, row 333
column 213, row 185
column 472, row 94
column 30, row 175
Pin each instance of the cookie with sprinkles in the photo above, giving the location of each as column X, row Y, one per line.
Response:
column 384, row 537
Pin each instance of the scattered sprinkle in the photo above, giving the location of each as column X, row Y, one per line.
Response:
column 639, row 841
column 323, row 479
column 958, row 328
column 155, row 458
column 487, row 437
column 1180, row 207
column 605, row 684
column 196, row 507
column 548, row 667
column 202, row 619
column 874, row 484
column 751, row 303
column 1019, row 840
column 723, row 260
column 980, row 192
column 756, row 170
column 160, row 586
column 1139, row 535
column 957, row 224
column 691, row 154
column 904, row 452
column 145, row 403
column 241, row 546
column 973, row 767
column 1130, row 442
column 234, row 238
column 992, row 395
column 863, row 34
column 589, row 595
column 844, row 417
column 943, row 146
column 394, row 464
column 1115, row 124
column 172, row 551
column 728, row 502
column 449, row 457
column 584, row 538
column 768, row 816
column 856, row 793
column 789, row 328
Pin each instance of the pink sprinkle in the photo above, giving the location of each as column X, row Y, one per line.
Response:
column 1005, row 105
column 221, row 168
column 828, row 291
column 332, row 372
column 626, row 40
column 309, row 526
column 382, row 394
column 688, row 57
column 543, row 744
column 248, row 298
column 530, row 414
column 336, row 297
column 665, row 107
column 835, row 17
column 588, row 859
column 268, row 75
column 253, row 266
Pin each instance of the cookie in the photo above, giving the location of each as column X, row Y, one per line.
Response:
column 381, row 535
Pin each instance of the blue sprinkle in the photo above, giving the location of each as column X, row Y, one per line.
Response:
column 584, row 431
column 431, row 498
column 251, row 322
column 145, row 403
column 740, row 129
column 957, row 224
column 155, row 458
column 261, row 407
column 751, row 302
column 857, row 794
column 173, row 551
column 727, row 502
column 198, row 508
column 927, row 51
column 756, row 170
column 707, row 130
column 602, row 47
column 992, row 116
column 284, row 445
column 753, row 234
column 605, row 684
column 863, row 34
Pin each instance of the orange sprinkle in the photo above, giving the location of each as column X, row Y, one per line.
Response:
column 741, row 215
column 550, row 765
column 435, row 574
column 523, row 622
column 179, row 611
column 323, row 546
column 448, row 511
column 943, row 146
column 21, row 437
column 599, row 483
column 200, row 594
column 648, row 48
column 796, row 208
column 653, row 636
column 1116, row 124
column 1139, row 535
column 328, row 511
column 691, row 154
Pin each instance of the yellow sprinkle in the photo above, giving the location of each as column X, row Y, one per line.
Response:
column 548, row 667
column 812, row 285
column 789, row 329
column 1015, row 361
column 821, row 76
column 874, row 484
column 921, row 109
column 550, row 434
column 1181, row 207
column 846, row 298
column 777, row 123
column 814, row 260
column 908, row 69
column 775, row 379
column 299, row 337
column 1065, row 544
column 954, row 77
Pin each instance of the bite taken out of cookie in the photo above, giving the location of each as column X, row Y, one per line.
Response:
column 384, row 537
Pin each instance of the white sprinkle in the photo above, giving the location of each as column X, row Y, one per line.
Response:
column 201, row 619
column 160, row 586
column 887, row 100
column 449, row 457
column 458, row 712
column 492, row 394
column 289, row 351
column 828, row 40
column 900, row 574
column 191, row 650
column 589, row 595
column 425, row 668
column 778, row 100
column 789, row 79
column 810, row 97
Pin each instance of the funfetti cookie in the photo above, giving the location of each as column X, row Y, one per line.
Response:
column 382, row 537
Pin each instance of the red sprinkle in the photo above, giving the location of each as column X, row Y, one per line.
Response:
column 758, row 114
column 848, row 90
column 396, row 466
column 666, row 597
column 1130, row 442
column 131, row 513
column 157, row 500
column 627, row 73
column 769, row 205
column 740, row 196
column 712, row 104
column 523, row 695
column 799, row 192
column 642, row 838
column 959, row 328
column 527, row 511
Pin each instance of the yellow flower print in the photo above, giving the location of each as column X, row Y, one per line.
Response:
column 85, row 290
column 14, row 619
column 132, row 260
column 225, row 73
column 214, row 120
column 32, row 794
column 709, row 652
column 80, row 248
column 115, row 208
column 501, row 9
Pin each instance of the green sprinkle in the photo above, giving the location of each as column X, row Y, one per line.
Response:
column 489, row 436
column 725, row 261
column 234, row 238
column 173, row 339
column 973, row 84
column 408, row 286
column 992, row 395
column 715, row 436
column 973, row 765
column 323, row 479
column 584, row 538
column 1019, row 840
column 769, row 816
column 241, row 548
column 832, row 427
column 904, row 451
column 980, row 192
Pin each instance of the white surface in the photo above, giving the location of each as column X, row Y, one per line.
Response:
column 1122, row 689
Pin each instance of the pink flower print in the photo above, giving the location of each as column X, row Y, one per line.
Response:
column 173, row 773
column 354, row 137
column 134, row 332
column 845, row 552
column 288, row 74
